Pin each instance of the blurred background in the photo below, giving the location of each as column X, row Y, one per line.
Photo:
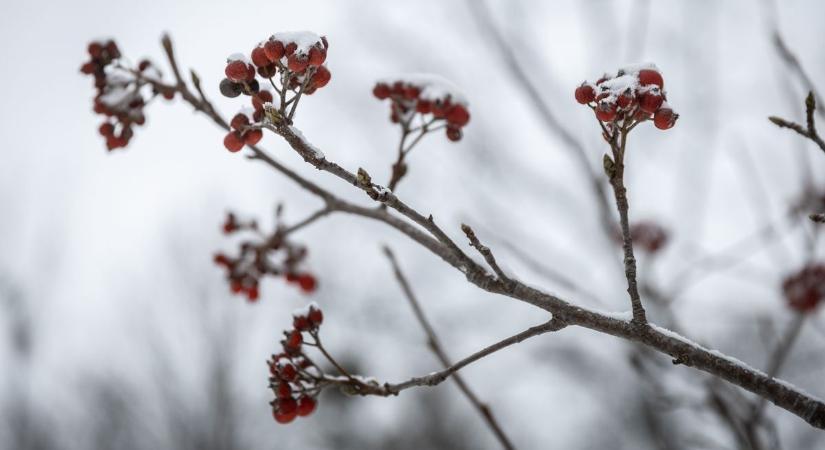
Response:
column 118, row 331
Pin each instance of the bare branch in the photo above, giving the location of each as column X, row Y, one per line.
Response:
column 486, row 253
column 435, row 345
column 810, row 130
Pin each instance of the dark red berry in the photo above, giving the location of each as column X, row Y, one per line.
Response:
column 274, row 50
column 306, row 405
column 649, row 76
column 252, row 137
column 458, row 115
column 381, row 91
column 665, row 118
column 316, row 316
column 453, row 133
column 259, row 57
column 233, row 141
column 585, row 94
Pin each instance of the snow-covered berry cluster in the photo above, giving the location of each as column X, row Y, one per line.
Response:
column 272, row 255
column 429, row 97
column 120, row 92
column 805, row 289
column 291, row 62
column 294, row 378
column 635, row 94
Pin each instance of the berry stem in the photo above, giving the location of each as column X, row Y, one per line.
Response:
column 620, row 194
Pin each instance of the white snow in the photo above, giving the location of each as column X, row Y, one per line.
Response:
column 304, row 311
column 624, row 316
column 318, row 153
column 433, row 87
column 635, row 68
column 248, row 111
column 303, row 39
column 237, row 57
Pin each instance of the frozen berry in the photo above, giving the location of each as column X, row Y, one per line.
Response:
column 239, row 121
column 585, row 94
column 297, row 63
column 648, row 77
column 284, row 418
column 274, row 50
column 650, row 101
column 238, row 71
column 317, row 56
column 320, row 78
column 316, row 316
column 606, row 111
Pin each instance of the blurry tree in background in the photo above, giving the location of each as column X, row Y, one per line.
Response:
column 726, row 403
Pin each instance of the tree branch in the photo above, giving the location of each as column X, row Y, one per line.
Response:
column 435, row 345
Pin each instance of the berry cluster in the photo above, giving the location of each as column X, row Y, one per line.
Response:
column 805, row 289
column 634, row 94
column 260, row 258
column 119, row 92
column 292, row 62
column 429, row 97
column 295, row 378
column 648, row 236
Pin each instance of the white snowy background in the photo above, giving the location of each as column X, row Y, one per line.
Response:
column 105, row 258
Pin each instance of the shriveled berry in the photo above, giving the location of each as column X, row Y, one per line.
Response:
column 294, row 341
column 284, row 390
column 290, row 48
column 585, row 94
column 229, row 88
column 288, row 372
column 287, row 405
column 233, row 141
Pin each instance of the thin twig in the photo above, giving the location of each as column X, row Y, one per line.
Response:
column 809, row 131
column 435, row 345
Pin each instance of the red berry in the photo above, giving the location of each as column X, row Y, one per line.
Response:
column 648, row 77
column 585, row 94
column 106, row 129
column 287, row 405
column 95, row 49
column 381, row 91
column 284, row 390
column 288, row 372
column 290, row 48
column 320, row 78
column 236, row 287
column 649, row 102
column 297, row 63
column 306, row 406
column 274, row 50
column 316, row 56
column 665, row 118
column 259, row 57
column 144, row 64
column 239, row 121
column 458, row 115
column 238, row 71
column 284, row 418
column 424, row 106
column 316, row 316
column 252, row 137
column 301, row 323
column 233, row 141
column 625, row 100
column 453, row 133
column 307, row 283
column 606, row 111
column 294, row 341
column 411, row 92
column 221, row 260
column 252, row 293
